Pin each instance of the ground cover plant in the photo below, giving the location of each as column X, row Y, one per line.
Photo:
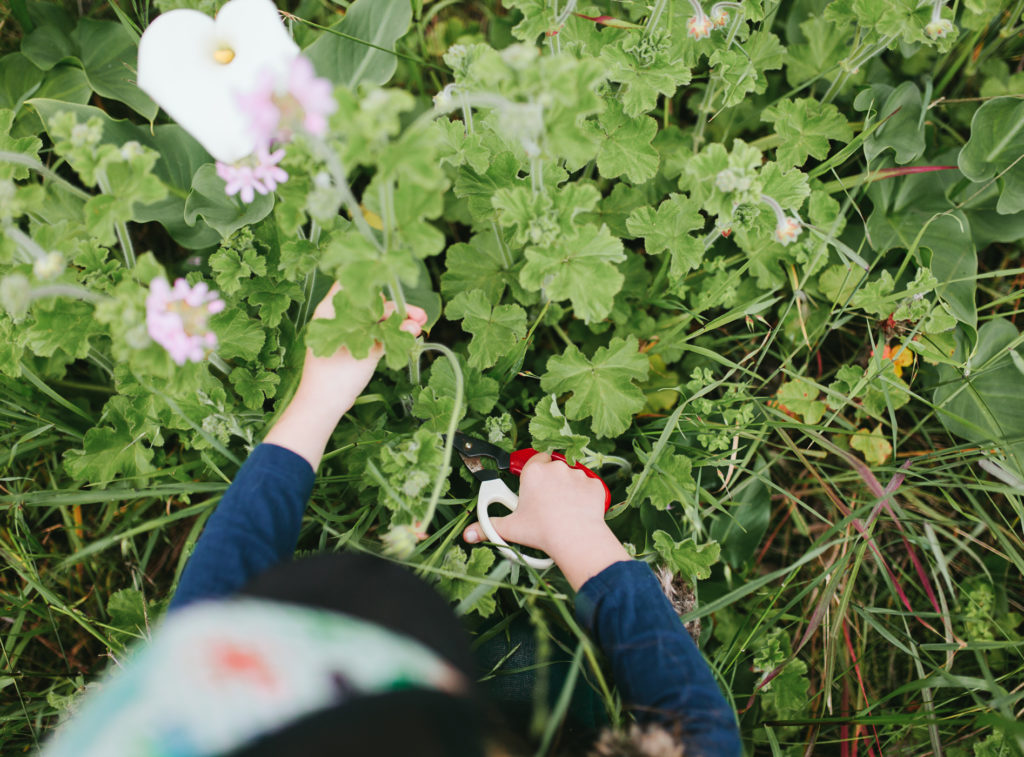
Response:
column 758, row 262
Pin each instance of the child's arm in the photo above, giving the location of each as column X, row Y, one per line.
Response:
column 256, row 524
column 657, row 666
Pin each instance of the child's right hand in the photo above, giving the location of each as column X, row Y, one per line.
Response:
column 560, row 511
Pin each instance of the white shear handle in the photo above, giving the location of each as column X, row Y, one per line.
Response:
column 493, row 491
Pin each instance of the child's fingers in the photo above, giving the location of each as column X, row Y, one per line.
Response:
column 473, row 533
column 415, row 317
column 326, row 307
column 417, row 314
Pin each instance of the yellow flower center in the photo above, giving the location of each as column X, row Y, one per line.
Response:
column 224, row 55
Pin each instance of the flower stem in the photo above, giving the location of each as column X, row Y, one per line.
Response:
column 506, row 259
column 453, row 424
column 218, row 362
column 659, row 7
column 397, row 296
column 120, row 227
column 340, row 177
column 25, row 242
column 24, row 160
column 771, row 202
column 66, row 290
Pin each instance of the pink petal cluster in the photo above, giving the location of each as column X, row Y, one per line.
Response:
column 176, row 318
column 257, row 173
column 277, row 109
column 276, row 112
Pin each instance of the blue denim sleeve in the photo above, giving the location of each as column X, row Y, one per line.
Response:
column 255, row 526
column 662, row 675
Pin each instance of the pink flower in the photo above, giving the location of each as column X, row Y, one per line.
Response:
column 177, row 318
column 314, row 94
column 241, row 179
column 277, row 109
column 267, row 171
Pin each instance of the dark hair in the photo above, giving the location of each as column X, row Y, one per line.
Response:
column 420, row 722
column 369, row 587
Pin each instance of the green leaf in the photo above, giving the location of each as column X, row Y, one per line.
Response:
column 180, row 157
column 254, row 388
column 685, row 557
column 108, row 54
column 63, row 325
column 108, row 452
column 801, row 397
column 745, row 72
column 496, row 330
column 550, row 431
column 273, row 298
column 872, row 444
column 984, row 407
column 667, row 482
column 995, row 148
column 461, row 585
column 48, row 45
column 232, row 266
column 805, row 127
column 826, row 44
column 298, row 258
column 19, row 80
column 477, row 264
column 786, row 694
column 643, row 81
column 27, row 146
column 838, row 283
column 407, row 467
column 436, row 401
column 238, row 335
column 349, row 62
column 603, row 388
column 208, row 201
column 906, row 206
column 579, row 268
column 625, row 144
column 668, row 229
column 903, row 132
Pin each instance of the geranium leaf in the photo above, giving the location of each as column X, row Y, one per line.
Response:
column 625, row 144
column 496, row 330
column 686, row 557
column 669, row 228
column 579, row 268
column 603, row 388
column 667, row 481
column 550, row 431
column 805, row 127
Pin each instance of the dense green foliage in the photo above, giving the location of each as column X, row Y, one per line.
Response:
column 765, row 280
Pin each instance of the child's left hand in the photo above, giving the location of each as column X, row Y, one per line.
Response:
column 338, row 379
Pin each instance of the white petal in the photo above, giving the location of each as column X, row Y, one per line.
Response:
column 177, row 69
column 254, row 30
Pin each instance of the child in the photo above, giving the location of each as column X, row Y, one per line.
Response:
column 349, row 654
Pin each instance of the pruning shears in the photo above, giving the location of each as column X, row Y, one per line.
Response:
column 493, row 489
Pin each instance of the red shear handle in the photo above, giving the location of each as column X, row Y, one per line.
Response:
column 518, row 459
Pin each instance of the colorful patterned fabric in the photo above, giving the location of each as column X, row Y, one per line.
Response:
column 218, row 675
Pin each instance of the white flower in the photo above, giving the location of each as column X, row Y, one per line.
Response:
column 195, row 67
column 788, row 229
column 939, row 28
